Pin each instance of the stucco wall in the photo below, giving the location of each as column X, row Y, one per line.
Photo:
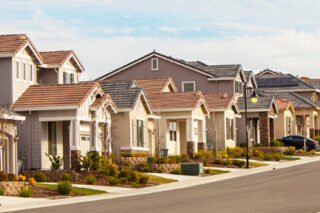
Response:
column 5, row 81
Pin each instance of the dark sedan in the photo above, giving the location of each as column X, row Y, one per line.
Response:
column 297, row 141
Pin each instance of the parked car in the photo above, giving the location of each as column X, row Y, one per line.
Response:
column 297, row 141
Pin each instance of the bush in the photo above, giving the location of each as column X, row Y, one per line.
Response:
column 56, row 161
column 113, row 181
column 317, row 138
column 160, row 170
column 207, row 171
column 242, row 144
column 25, row 192
column 64, row 187
column 134, row 176
column 105, row 165
column 144, row 180
column 290, row 151
column 185, row 158
column 146, row 169
column 238, row 163
column 127, row 154
column 275, row 142
column 2, row 190
column 258, row 145
column 161, row 160
column 3, row 176
column 125, row 173
column 66, row 176
column 86, row 161
column 32, row 181
column 267, row 157
column 11, row 177
column 276, row 156
column 40, row 177
column 90, row 179
column 113, row 170
column 95, row 159
column 126, row 163
column 176, row 171
column 171, row 161
column 123, row 180
column 21, row 178
column 177, row 157
column 226, row 162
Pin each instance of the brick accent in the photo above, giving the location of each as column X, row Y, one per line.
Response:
column 201, row 146
column 312, row 132
column 190, row 148
column 12, row 188
column 75, row 159
column 271, row 121
column 264, row 128
column 167, row 168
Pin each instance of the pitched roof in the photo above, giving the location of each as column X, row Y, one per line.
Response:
column 13, row 43
column 58, row 58
column 156, row 85
column 265, row 103
column 100, row 101
column 56, row 95
column 315, row 82
column 218, row 101
column 283, row 104
column 124, row 93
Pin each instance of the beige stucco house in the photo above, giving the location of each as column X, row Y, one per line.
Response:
column 67, row 120
column 222, row 124
column 284, row 121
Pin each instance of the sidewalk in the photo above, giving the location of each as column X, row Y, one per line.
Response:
column 117, row 193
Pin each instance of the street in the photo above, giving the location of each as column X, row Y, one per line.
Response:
column 294, row 189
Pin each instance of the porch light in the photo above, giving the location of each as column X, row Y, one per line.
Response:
column 254, row 97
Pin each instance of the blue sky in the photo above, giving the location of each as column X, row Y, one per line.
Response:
column 281, row 35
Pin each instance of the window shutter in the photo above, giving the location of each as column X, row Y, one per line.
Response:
column 228, row 127
column 64, row 77
column 134, row 132
column 72, row 78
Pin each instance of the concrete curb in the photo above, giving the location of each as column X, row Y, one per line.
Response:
column 160, row 188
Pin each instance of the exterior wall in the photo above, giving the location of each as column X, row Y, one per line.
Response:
column 309, row 95
column 281, row 124
column 49, row 76
column 178, row 73
column 120, row 130
column 6, row 81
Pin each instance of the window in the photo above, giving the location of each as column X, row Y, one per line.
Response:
column 39, row 76
column 24, row 75
column 154, row 64
column 52, row 138
column 140, row 133
column 68, row 78
column 196, row 128
column 173, row 130
column 288, row 126
column 299, row 124
column 238, row 87
column 17, row 70
column 251, row 129
column 249, row 91
column 230, row 129
column 31, row 72
column 188, row 86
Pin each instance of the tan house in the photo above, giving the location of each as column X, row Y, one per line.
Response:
column 221, row 126
column 284, row 121
column 9, row 140
column 182, row 124
column 133, row 125
column 65, row 120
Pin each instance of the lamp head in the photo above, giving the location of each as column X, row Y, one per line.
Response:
column 254, row 97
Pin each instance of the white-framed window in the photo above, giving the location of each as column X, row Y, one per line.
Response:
column 17, row 70
column 230, row 128
column 196, row 127
column 238, row 87
column 68, row 78
column 188, row 86
column 154, row 64
column 140, row 133
column 24, row 71
column 173, row 130
column 30, row 72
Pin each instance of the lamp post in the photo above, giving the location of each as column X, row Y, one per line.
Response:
column 254, row 99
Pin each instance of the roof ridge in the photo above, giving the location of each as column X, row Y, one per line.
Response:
column 53, row 51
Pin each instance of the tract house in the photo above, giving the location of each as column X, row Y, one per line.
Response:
column 286, row 118
column 65, row 120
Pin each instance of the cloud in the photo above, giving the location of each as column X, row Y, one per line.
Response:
column 177, row 30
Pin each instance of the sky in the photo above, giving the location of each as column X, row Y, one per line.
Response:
column 281, row 35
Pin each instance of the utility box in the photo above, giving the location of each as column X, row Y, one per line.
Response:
column 191, row 168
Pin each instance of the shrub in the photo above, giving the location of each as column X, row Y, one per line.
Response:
column 113, row 181
column 2, row 190
column 90, row 179
column 160, row 170
column 126, row 154
column 134, row 176
column 242, row 144
column 258, row 145
column 64, row 187
column 176, row 171
column 267, row 157
column 40, row 177
column 313, row 152
column 185, row 158
column 32, row 181
column 126, row 163
column 275, row 142
column 238, row 163
column 86, row 161
column 143, row 164
column 218, row 161
column 290, row 151
column 21, row 178
column 66, row 176
column 134, row 184
column 123, row 180
column 177, row 157
column 226, row 162
column 95, row 159
column 105, row 165
column 125, row 173
column 301, row 151
column 146, row 169
column 56, row 161
column 3, row 176
column 276, row 156
column 25, row 192
column 161, row 160
column 144, row 179
column 317, row 138
column 171, row 161
column 11, row 177
column 207, row 171
column 113, row 169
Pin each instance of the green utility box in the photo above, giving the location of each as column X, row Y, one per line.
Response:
column 191, row 168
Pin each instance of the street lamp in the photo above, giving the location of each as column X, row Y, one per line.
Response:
column 254, row 99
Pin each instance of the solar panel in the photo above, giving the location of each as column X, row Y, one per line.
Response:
column 276, row 82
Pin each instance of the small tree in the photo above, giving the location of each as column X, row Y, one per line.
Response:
column 56, row 161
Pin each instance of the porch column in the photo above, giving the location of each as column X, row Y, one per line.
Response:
column 191, row 149
column 12, row 160
column 264, row 128
column 96, row 146
column 202, row 142
column 74, row 146
column 1, row 159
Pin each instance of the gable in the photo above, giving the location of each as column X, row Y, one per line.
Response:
column 28, row 53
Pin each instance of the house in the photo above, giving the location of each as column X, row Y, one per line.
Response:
column 9, row 140
column 261, row 125
column 182, row 123
column 286, row 116
column 133, row 125
column 187, row 75
column 66, row 120
column 221, row 126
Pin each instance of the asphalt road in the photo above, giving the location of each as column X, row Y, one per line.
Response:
column 295, row 189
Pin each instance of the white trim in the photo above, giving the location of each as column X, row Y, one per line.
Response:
column 24, row 63
column 221, row 79
column 33, row 51
column 152, row 55
column 273, row 117
column 77, row 62
column 19, row 109
column 134, row 148
column 186, row 82
column 13, row 117
column 17, row 79
column 64, row 118
column 157, row 68
column 174, row 109
column 124, row 110
column 183, row 117
column 6, row 55
column 153, row 116
column 140, row 118
column 31, row 72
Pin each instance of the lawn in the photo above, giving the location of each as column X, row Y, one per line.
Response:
column 160, row 180
column 255, row 164
column 218, row 172
column 289, row 158
column 75, row 189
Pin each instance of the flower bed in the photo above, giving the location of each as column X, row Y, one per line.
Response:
column 166, row 168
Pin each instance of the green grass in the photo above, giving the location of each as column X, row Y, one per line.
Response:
column 74, row 189
column 289, row 158
column 160, row 180
column 218, row 172
column 255, row 164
